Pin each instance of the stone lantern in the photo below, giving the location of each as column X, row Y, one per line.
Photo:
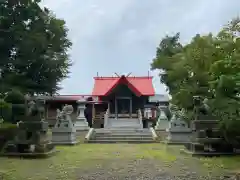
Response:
column 178, row 131
column 162, row 122
column 81, row 122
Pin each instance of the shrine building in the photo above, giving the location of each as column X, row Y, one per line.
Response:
column 122, row 96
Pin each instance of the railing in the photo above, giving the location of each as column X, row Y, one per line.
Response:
column 90, row 135
column 140, row 117
column 154, row 134
column 106, row 116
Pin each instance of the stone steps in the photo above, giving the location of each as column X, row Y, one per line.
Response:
column 123, row 138
column 122, row 135
column 125, row 130
column 122, row 132
column 121, row 141
column 122, row 127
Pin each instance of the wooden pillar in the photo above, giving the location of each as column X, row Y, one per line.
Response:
column 46, row 112
column 93, row 113
column 116, row 108
column 130, row 107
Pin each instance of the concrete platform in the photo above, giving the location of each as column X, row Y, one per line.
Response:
column 208, row 154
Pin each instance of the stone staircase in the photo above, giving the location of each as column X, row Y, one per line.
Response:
column 122, row 135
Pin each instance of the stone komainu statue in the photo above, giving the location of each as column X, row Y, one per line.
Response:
column 68, row 109
column 35, row 109
column 63, row 117
column 201, row 108
column 32, row 109
column 178, row 113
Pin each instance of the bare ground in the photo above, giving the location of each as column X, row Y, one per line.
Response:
column 183, row 168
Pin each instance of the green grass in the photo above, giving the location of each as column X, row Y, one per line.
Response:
column 84, row 156
column 7, row 125
column 220, row 163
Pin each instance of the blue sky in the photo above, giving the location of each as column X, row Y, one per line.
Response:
column 122, row 35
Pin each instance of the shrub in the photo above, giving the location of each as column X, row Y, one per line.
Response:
column 7, row 132
column 5, row 111
column 16, row 100
column 15, row 97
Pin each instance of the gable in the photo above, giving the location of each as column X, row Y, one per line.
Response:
column 139, row 85
column 121, row 90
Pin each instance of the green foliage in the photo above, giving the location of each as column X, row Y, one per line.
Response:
column 7, row 132
column 15, row 97
column 33, row 48
column 1, row 121
column 225, row 82
column 164, row 60
column 208, row 67
column 16, row 108
column 5, row 111
column 8, row 126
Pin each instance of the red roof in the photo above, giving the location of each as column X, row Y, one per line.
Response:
column 139, row 85
column 69, row 97
column 72, row 97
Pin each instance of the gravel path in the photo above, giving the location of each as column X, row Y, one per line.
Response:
column 148, row 169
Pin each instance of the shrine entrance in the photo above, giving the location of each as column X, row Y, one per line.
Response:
column 123, row 102
column 123, row 107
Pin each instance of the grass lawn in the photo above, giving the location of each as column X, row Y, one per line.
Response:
column 84, row 156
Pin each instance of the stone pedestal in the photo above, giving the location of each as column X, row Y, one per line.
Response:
column 64, row 131
column 178, row 131
column 162, row 123
column 207, row 140
column 31, row 138
column 81, row 122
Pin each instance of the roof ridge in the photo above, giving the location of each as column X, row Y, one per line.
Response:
column 73, row 95
column 127, row 77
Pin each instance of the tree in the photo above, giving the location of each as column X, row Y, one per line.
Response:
column 225, row 82
column 208, row 67
column 165, row 62
column 33, row 48
column 185, row 69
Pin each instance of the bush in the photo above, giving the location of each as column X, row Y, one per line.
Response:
column 15, row 100
column 7, row 132
column 15, row 97
column 5, row 111
column 7, row 126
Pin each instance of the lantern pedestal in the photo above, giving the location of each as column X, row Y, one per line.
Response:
column 81, row 123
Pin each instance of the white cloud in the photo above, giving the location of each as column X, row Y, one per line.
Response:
column 121, row 36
